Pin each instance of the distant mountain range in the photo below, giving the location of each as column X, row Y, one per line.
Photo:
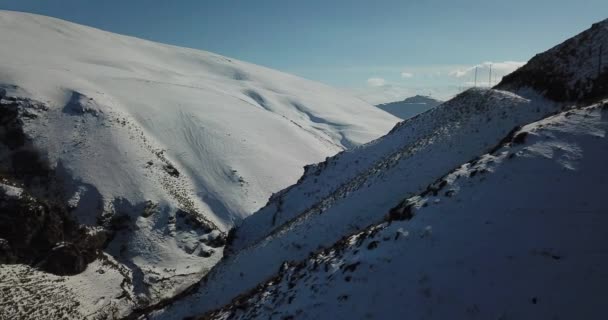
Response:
column 410, row 107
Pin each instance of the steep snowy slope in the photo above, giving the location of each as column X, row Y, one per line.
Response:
column 162, row 148
column 410, row 106
column 471, row 111
column 357, row 188
column 354, row 189
column 516, row 234
column 417, row 151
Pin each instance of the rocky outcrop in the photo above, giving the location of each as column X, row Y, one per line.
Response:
column 35, row 227
column 41, row 234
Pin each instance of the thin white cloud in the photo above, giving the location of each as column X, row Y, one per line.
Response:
column 376, row 82
column 392, row 83
column 459, row 73
column 406, row 75
column 395, row 92
column 499, row 69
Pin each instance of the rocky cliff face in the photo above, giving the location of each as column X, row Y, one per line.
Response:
column 36, row 227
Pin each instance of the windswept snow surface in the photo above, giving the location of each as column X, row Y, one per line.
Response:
column 157, row 140
column 516, row 234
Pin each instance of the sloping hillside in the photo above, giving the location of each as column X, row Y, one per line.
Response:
column 361, row 187
column 357, row 188
column 518, row 233
column 575, row 70
column 409, row 107
column 418, row 150
column 155, row 149
column 217, row 120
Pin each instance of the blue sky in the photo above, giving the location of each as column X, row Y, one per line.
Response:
column 380, row 50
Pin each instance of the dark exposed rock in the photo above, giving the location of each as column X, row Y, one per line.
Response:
column 64, row 259
column 171, row 170
column 18, row 157
column 31, row 229
column 119, row 222
column 215, row 242
column 193, row 220
column 403, row 211
column 150, row 209
column 520, row 138
column 33, row 219
column 6, row 253
column 206, row 253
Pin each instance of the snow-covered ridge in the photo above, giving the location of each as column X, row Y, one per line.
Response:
column 485, row 242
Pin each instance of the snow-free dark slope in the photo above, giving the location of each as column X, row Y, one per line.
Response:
column 152, row 151
column 575, row 70
column 362, row 187
column 409, row 107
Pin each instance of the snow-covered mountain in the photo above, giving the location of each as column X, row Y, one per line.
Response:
column 147, row 150
column 518, row 233
column 495, row 188
column 357, row 188
column 236, row 131
column 410, row 107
